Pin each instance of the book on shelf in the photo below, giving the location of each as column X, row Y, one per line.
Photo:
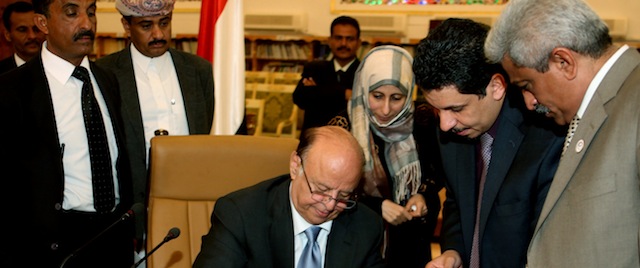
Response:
column 112, row 45
column 283, row 67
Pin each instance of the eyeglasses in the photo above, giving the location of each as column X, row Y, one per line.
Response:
column 344, row 203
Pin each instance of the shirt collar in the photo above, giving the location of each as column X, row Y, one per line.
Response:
column 299, row 223
column 337, row 67
column 59, row 68
column 591, row 90
column 19, row 61
column 144, row 62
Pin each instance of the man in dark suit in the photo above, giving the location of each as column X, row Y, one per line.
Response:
column 64, row 183
column 162, row 88
column 591, row 217
column 325, row 86
column 266, row 225
column 23, row 34
column 499, row 158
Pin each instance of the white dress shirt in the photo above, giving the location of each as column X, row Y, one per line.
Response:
column 67, row 106
column 19, row 61
column 161, row 101
column 299, row 237
column 337, row 67
column 591, row 90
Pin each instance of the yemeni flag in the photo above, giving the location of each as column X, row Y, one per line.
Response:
column 221, row 41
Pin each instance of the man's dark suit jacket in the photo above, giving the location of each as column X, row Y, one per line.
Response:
column 31, row 164
column 253, row 227
column 7, row 64
column 325, row 100
column 524, row 159
column 195, row 76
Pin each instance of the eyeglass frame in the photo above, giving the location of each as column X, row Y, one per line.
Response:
column 325, row 198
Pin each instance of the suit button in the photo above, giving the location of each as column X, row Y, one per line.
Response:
column 54, row 246
column 58, row 206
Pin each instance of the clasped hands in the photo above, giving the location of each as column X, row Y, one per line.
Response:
column 309, row 82
column 396, row 214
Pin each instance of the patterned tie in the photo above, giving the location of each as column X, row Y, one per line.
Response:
column 101, row 172
column 572, row 130
column 310, row 257
column 486, row 141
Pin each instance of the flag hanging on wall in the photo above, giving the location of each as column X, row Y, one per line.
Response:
column 221, row 41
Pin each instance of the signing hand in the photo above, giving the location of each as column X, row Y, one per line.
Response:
column 416, row 206
column 448, row 259
column 394, row 213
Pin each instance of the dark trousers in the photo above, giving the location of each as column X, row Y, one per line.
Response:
column 409, row 245
column 112, row 249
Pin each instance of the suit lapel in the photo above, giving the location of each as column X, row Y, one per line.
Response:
column 44, row 120
column 505, row 146
column 281, row 229
column 340, row 244
column 129, row 94
column 458, row 157
column 192, row 98
column 594, row 116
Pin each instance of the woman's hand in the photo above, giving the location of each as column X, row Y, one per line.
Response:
column 395, row 214
column 416, row 206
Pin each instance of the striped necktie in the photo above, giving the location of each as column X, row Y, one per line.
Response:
column 486, row 142
column 572, row 130
column 311, row 257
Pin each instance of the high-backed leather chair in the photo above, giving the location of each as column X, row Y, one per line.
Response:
column 189, row 173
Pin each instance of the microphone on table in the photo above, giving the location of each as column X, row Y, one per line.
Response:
column 173, row 234
column 136, row 209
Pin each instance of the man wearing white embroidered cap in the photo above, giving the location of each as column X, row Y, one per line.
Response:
column 162, row 88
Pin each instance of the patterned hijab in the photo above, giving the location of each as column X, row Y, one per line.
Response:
column 386, row 65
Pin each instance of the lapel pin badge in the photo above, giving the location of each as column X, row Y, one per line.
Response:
column 579, row 145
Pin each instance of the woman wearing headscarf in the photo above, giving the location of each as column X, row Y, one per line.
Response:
column 402, row 174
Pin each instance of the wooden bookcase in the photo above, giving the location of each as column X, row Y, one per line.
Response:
column 272, row 53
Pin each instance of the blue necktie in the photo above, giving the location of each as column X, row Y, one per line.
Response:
column 311, row 257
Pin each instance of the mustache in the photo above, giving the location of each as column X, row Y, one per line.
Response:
column 344, row 48
column 541, row 109
column 32, row 42
column 84, row 33
column 155, row 42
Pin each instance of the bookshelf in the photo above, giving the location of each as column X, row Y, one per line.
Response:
column 271, row 53
column 186, row 42
column 278, row 53
column 107, row 43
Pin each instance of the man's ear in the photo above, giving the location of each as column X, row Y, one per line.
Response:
column 7, row 36
column 562, row 59
column 41, row 22
column 293, row 165
column 126, row 26
column 497, row 87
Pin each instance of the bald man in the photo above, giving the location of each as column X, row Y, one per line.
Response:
column 265, row 225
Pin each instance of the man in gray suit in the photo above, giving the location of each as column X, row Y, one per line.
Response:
column 567, row 62
column 162, row 88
